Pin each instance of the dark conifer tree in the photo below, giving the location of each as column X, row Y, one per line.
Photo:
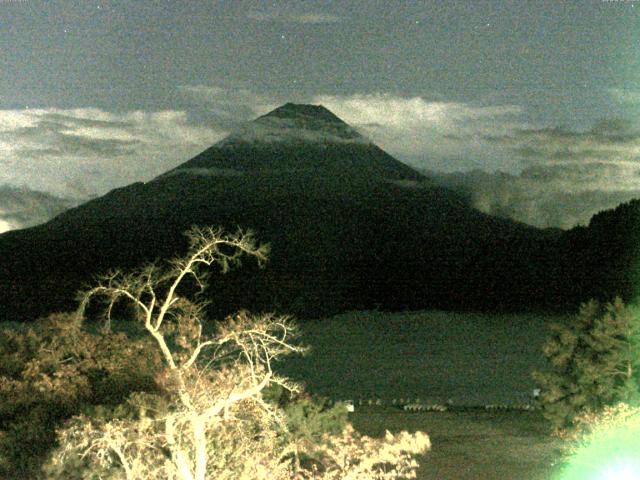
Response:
column 593, row 362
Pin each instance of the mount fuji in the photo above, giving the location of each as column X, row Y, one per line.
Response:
column 299, row 142
column 350, row 227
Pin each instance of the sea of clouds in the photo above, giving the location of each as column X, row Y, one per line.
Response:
column 546, row 176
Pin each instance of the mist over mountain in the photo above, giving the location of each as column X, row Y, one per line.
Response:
column 22, row 208
column 532, row 197
column 566, row 176
column 350, row 227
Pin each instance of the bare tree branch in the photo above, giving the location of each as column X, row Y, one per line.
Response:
column 215, row 423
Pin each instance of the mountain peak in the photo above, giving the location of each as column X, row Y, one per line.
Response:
column 302, row 110
column 300, row 138
column 293, row 122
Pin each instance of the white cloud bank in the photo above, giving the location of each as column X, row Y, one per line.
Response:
column 22, row 208
column 288, row 12
column 547, row 176
column 554, row 176
column 304, row 18
column 568, row 176
column 82, row 152
column 438, row 135
column 627, row 96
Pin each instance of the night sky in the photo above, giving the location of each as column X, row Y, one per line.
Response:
column 98, row 94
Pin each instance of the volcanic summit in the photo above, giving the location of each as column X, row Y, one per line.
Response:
column 304, row 142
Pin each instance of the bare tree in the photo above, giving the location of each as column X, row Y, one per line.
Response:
column 212, row 421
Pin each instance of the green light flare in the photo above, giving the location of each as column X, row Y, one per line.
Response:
column 622, row 470
column 612, row 453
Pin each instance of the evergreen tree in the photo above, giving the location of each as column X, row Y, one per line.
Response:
column 593, row 362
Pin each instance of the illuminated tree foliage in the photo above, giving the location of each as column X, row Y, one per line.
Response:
column 593, row 362
column 210, row 417
column 51, row 370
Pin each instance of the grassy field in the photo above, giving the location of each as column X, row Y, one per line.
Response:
column 436, row 357
column 473, row 444
column 463, row 361
column 439, row 358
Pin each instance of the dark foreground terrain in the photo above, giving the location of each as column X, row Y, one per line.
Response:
column 474, row 444
column 430, row 357
column 440, row 359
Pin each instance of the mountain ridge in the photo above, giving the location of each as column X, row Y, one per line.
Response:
column 23, row 208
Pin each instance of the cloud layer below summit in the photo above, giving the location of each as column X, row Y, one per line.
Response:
column 87, row 151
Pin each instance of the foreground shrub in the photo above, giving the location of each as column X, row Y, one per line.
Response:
column 308, row 417
column 49, row 372
column 354, row 456
column 594, row 362
column 210, row 417
column 308, row 421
